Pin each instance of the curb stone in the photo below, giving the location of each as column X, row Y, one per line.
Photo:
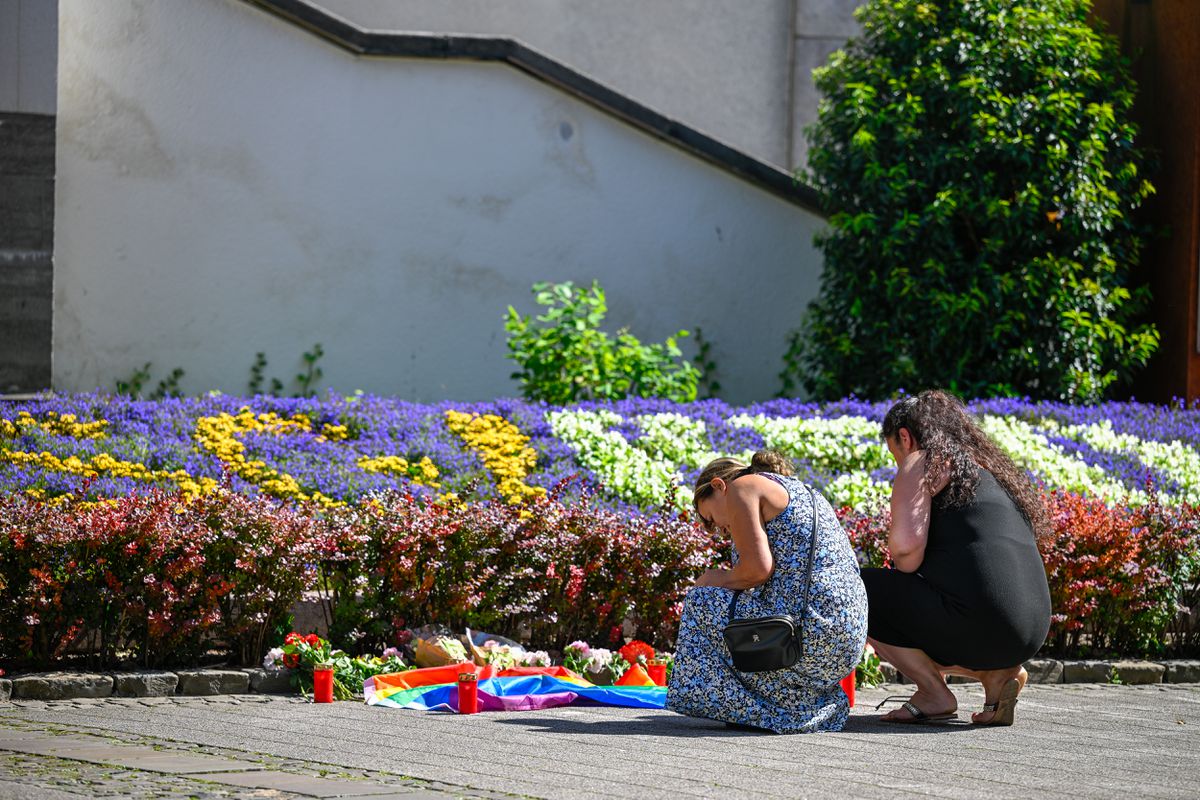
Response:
column 1137, row 673
column 1044, row 670
column 5, row 690
column 1181, row 671
column 1053, row 671
column 890, row 673
column 1086, row 671
column 269, row 681
column 1128, row 672
column 144, row 684
column 213, row 681
column 62, row 686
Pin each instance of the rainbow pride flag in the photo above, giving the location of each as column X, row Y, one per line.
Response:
column 516, row 689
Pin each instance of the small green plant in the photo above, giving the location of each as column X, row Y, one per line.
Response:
column 132, row 386
column 564, row 357
column 168, row 386
column 312, row 373
column 256, row 373
column 305, row 381
column 868, row 672
column 1114, row 675
column 708, row 383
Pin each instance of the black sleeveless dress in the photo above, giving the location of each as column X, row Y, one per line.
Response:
column 979, row 599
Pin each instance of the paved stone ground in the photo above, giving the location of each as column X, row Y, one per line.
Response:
column 1070, row 741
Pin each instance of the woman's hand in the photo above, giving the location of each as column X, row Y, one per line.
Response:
column 712, row 577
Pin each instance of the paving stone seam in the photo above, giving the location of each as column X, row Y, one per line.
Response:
column 94, row 775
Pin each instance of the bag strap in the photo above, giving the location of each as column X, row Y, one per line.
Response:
column 812, row 549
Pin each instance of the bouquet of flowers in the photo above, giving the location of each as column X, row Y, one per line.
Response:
column 302, row 654
column 504, row 655
column 637, row 652
column 439, row 651
column 600, row 666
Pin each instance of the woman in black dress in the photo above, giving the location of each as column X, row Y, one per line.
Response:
column 968, row 593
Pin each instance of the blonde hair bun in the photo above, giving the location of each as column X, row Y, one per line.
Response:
column 771, row 461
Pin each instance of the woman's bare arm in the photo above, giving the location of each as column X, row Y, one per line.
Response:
column 755, row 562
column 911, row 504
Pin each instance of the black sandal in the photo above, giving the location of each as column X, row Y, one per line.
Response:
column 919, row 717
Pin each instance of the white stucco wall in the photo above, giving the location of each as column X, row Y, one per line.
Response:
column 740, row 70
column 229, row 184
column 718, row 65
column 28, row 52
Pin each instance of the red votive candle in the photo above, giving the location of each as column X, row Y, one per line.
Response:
column 468, row 693
column 848, row 687
column 657, row 670
column 323, row 683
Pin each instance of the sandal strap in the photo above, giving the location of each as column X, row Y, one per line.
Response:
column 910, row 708
column 991, row 707
column 891, row 699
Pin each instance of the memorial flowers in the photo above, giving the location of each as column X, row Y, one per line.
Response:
column 303, row 653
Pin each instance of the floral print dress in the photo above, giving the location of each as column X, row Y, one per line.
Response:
column 806, row 697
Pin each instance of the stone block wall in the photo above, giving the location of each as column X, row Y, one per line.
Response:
column 26, row 246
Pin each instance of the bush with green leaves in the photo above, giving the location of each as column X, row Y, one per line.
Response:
column 564, row 357
column 978, row 165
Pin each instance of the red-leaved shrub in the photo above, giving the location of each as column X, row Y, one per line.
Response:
column 163, row 580
column 153, row 578
column 868, row 535
column 1119, row 576
column 551, row 571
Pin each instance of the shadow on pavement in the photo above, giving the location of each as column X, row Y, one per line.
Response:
column 694, row 728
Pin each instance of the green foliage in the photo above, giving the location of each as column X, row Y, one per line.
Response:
column 132, row 386
column 977, row 162
column 564, row 357
column 869, row 672
column 256, row 373
column 307, row 379
column 167, row 387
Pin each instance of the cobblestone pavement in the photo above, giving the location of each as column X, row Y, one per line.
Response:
column 1070, row 741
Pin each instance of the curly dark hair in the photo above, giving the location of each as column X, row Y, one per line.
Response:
column 950, row 436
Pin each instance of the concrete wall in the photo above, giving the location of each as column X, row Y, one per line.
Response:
column 820, row 27
column 229, row 184
column 28, row 55
column 738, row 70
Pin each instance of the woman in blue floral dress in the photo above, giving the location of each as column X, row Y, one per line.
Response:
column 769, row 516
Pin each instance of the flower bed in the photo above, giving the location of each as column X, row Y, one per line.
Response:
column 634, row 453
column 165, row 529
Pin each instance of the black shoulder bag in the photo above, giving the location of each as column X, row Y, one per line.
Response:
column 763, row 644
